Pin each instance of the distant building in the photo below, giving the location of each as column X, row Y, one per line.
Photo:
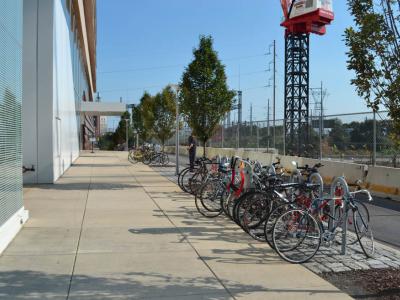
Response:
column 103, row 125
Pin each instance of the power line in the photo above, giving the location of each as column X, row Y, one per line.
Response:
column 140, row 69
column 158, row 85
column 132, row 89
column 255, row 88
column 171, row 66
column 247, row 74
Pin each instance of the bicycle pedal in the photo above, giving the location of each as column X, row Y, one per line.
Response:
column 328, row 236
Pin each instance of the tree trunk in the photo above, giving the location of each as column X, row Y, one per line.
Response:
column 204, row 148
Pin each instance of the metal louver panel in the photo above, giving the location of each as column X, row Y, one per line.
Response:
column 10, row 108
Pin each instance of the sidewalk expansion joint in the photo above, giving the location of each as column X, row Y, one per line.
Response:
column 80, row 232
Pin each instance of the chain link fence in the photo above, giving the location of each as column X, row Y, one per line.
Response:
column 359, row 138
column 362, row 137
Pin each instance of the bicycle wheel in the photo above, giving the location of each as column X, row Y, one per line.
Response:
column 296, row 236
column 180, row 176
column 364, row 233
column 147, row 158
column 131, row 157
column 254, row 215
column 225, row 202
column 316, row 178
column 208, row 200
column 138, row 156
column 196, row 182
column 164, row 159
column 271, row 220
column 236, row 211
column 185, row 181
column 363, row 210
column 229, row 205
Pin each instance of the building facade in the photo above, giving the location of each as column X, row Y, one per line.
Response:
column 12, row 212
column 59, row 73
column 103, row 125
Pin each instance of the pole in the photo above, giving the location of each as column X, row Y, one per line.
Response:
column 237, row 135
column 321, row 122
column 177, row 138
column 268, row 139
column 258, row 139
column 239, row 117
column 137, row 140
column 284, row 135
column 251, row 119
column 222, row 134
column 126, row 135
column 274, row 94
column 374, row 141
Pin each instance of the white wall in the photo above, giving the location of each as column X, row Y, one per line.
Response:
column 65, row 131
column 50, row 130
column 37, row 99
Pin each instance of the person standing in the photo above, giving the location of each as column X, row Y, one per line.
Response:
column 192, row 143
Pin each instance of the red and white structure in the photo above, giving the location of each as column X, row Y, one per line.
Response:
column 307, row 16
column 301, row 17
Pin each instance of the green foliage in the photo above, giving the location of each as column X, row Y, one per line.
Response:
column 361, row 134
column 106, row 142
column 147, row 111
column 338, row 136
column 164, row 115
column 155, row 116
column 119, row 136
column 142, row 117
column 205, row 97
column 111, row 141
column 374, row 53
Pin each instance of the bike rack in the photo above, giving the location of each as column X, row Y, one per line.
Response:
column 346, row 195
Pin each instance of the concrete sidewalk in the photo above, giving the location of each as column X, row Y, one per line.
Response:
column 112, row 230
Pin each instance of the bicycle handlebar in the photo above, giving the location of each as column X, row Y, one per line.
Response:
column 363, row 192
column 308, row 168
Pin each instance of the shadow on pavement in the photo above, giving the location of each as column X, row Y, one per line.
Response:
column 80, row 165
column 132, row 285
column 84, row 186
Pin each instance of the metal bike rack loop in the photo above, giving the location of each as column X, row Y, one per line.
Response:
column 346, row 195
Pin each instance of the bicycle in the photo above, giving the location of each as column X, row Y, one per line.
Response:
column 153, row 157
column 299, row 232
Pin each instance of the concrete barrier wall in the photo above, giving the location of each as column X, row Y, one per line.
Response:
column 332, row 169
column 382, row 181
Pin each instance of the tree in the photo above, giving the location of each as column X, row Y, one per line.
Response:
column 374, row 51
column 205, row 97
column 164, row 113
column 147, row 112
column 338, row 135
column 361, row 134
column 139, row 115
column 106, row 141
column 119, row 136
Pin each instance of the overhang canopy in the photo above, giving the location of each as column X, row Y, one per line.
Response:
column 103, row 108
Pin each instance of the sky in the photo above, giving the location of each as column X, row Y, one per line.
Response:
column 145, row 45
